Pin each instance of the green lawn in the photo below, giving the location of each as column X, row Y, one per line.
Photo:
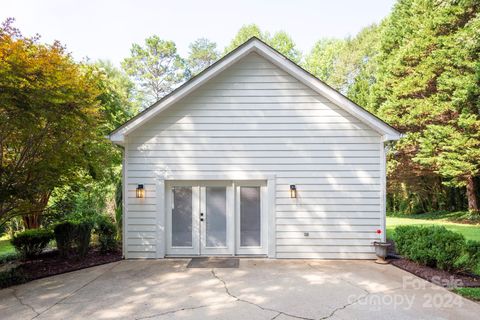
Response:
column 469, row 231
column 5, row 246
column 471, row 293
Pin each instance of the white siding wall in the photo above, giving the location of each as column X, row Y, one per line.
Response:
column 255, row 118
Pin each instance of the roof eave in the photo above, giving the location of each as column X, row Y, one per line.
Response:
column 261, row 48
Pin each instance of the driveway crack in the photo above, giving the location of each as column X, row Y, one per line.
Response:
column 344, row 306
column 75, row 291
column 170, row 312
column 14, row 292
column 252, row 303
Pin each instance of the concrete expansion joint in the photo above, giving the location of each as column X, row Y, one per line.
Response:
column 23, row 303
column 227, row 291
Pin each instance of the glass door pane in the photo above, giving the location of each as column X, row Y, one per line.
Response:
column 250, row 217
column 182, row 215
column 216, row 217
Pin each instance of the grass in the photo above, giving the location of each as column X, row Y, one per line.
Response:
column 448, row 220
column 5, row 246
column 470, row 293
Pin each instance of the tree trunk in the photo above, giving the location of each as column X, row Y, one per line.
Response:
column 472, row 195
column 33, row 219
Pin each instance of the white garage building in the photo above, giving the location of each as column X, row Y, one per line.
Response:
column 254, row 156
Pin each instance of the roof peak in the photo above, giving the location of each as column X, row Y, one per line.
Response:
column 254, row 44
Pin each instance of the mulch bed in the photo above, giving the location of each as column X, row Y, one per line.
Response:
column 51, row 263
column 438, row 277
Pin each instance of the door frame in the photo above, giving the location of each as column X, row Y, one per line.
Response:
column 256, row 250
column 199, row 228
column 230, row 221
column 164, row 180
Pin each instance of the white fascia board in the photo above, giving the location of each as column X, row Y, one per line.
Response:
column 387, row 132
column 329, row 93
column 117, row 138
column 182, row 92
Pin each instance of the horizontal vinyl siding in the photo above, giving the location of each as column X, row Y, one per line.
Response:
column 256, row 119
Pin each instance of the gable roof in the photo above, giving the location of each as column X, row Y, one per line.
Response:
column 256, row 45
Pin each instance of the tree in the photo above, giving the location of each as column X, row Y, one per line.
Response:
column 427, row 85
column 282, row 42
column 156, row 68
column 203, row 53
column 48, row 106
column 246, row 32
column 323, row 60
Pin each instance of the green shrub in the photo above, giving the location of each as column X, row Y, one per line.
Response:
column 83, row 235
column 64, row 236
column 433, row 246
column 106, row 234
column 6, row 257
column 471, row 257
column 30, row 243
column 73, row 237
column 12, row 277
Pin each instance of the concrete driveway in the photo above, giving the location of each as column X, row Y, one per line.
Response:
column 259, row 289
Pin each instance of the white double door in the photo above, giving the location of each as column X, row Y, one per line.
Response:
column 215, row 218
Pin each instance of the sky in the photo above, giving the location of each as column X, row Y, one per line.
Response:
column 106, row 29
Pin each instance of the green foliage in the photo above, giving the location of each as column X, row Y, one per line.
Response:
column 8, row 256
column 419, row 71
column 73, row 237
column 436, row 247
column 470, row 293
column 471, row 257
column 54, row 117
column 83, row 235
column 64, row 237
column 324, row 60
column 427, row 85
column 12, row 277
column 281, row 41
column 156, row 67
column 107, row 232
column 203, row 53
column 246, row 32
column 31, row 243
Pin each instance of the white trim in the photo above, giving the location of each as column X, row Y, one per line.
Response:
column 225, row 176
column 326, row 91
column 161, row 225
column 192, row 85
column 229, row 227
column 264, row 223
column 383, row 190
column 255, row 45
column 271, row 213
column 124, row 203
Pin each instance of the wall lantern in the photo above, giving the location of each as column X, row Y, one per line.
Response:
column 293, row 191
column 140, row 191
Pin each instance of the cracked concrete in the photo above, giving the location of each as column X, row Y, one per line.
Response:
column 259, row 289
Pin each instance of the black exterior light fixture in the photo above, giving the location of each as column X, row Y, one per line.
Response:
column 293, row 191
column 140, row 192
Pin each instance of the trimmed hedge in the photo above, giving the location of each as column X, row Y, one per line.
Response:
column 30, row 243
column 437, row 247
column 11, row 277
column 106, row 231
column 73, row 237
